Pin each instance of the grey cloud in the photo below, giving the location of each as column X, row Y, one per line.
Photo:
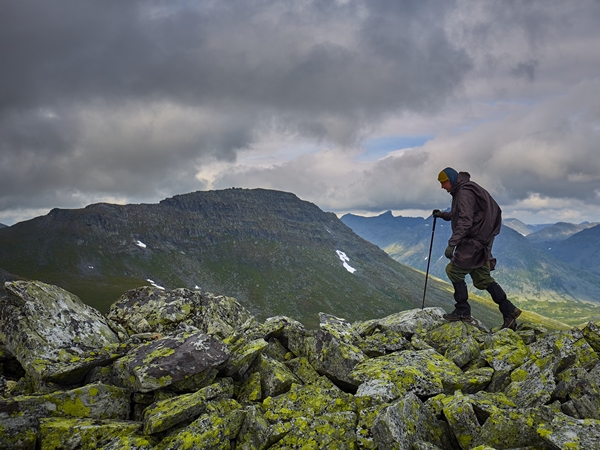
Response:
column 131, row 98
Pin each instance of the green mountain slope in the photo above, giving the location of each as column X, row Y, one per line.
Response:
column 272, row 251
column 581, row 250
column 532, row 278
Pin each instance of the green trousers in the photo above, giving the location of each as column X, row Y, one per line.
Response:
column 481, row 276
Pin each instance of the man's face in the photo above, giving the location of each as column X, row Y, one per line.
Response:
column 447, row 185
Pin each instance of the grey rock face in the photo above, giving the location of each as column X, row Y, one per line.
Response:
column 196, row 370
column 53, row 334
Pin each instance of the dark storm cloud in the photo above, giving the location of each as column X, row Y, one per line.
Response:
column 80, row 77
column 130, row 99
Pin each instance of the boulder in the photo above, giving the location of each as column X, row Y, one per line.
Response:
column 407, row 422
column 422, row 372
column 86, row 434
column 53, row 335
column 165, row 414
column 170, row 361
column 20, row 416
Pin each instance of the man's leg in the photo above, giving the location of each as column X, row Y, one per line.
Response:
column 483, row 280
column 462, row 309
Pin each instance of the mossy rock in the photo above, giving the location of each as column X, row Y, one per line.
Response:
column 86, row 434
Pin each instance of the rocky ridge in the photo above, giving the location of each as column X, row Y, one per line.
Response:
column 175, row 369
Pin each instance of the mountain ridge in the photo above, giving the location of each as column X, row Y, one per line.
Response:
column 275, row 253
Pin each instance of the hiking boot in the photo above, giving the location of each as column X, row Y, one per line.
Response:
column 455, row 317
column 511, row 321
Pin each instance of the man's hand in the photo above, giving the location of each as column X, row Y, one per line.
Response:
column 437, row 213
column 449, row 251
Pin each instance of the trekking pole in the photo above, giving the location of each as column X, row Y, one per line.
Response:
column 428, row 262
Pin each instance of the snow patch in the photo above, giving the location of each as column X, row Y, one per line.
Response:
column 344, row 258
column 140, row 244
column 154, row 284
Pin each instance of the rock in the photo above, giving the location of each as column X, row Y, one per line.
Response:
column 510, row 428
column 327, row 431
column 532, row 383
column 19, row 416
column 335, row 358
column 211, row 431
column 165, row 414
column 150, row 309
column 421, row 372
column 171, row 360
column 461, row 417
column 86, row 434
column 406, row 422
column 275, row 377
column 565, row 432
column 53, row 334
column 591, row 333
column 505, row 350
column 197, row 371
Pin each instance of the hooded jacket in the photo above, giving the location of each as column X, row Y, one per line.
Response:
column 476, row 219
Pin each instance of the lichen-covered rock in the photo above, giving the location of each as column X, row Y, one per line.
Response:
column 505, row 350
column 275, row 377
column 250, row 391
column 333, row 431
column 255, row 432
column 162, row 415
column 197, row 358
column 19, row 416
column 150, row 309
column 564, row 432
column 211, row 431
column 382, row 343
column 171, row 360
column 308, row 401
column 303, row 370
column 514, row 428
column 463, row 351
column 53, row 334
column 412, row 321
column 591, row 333
column 470, row 381
column 422, row 372
column 405, row 422
column 242, row 355
column 86, row 434
column 532, row 383
column 458, row 411
column 566, row 348
column 335, row 358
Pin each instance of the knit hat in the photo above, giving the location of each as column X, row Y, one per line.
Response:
column 448, row 174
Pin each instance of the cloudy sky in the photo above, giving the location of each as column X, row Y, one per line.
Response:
column 354, row 105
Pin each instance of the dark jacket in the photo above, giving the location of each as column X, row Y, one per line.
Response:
column 476, row 219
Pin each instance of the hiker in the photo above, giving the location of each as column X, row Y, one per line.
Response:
column 476, row 219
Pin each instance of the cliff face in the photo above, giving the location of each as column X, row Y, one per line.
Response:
column 171, row 369
column 272, row 251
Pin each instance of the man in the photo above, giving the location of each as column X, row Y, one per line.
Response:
column 476, row 219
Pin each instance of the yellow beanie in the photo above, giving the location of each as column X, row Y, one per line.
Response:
column 442, row 177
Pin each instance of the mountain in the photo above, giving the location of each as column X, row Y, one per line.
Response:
column 276, row 254
column 557, row 232
column 581, row 250
column 520, row 227
column 2, row 225
column 533, row 279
